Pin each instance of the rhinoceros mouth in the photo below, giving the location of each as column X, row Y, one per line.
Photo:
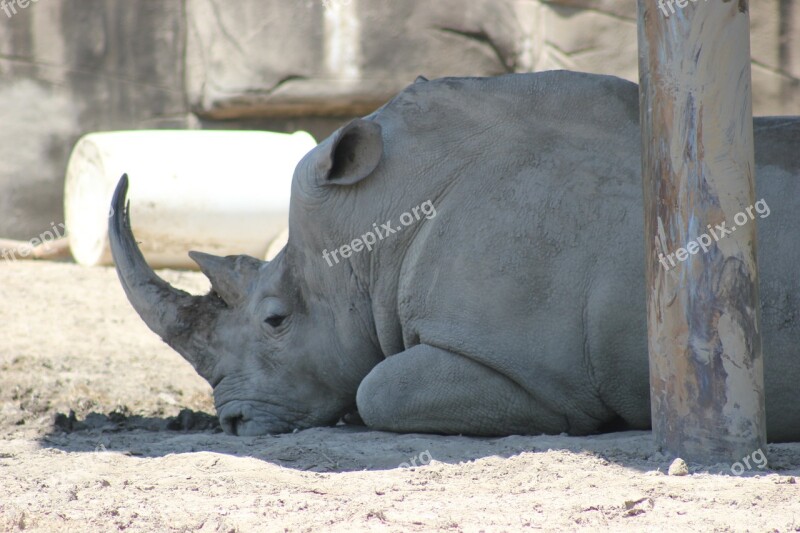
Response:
column 253, row 418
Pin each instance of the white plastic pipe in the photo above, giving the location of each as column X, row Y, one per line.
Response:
column 221, row 192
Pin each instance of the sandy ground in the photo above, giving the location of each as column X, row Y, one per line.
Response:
column 105, row 428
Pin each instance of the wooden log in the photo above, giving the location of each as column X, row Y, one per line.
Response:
column 706, row 364
column 49, row 250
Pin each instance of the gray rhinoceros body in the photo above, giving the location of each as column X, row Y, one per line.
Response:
column 519, row 307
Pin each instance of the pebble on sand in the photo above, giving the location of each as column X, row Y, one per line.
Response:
column 678, row 468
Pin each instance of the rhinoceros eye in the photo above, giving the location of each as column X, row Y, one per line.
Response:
column 275, row 310
column 275, row 320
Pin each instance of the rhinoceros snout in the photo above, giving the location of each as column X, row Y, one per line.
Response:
column 238, row 420
column 245, row 419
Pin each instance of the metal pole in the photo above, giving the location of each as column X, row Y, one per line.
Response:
column 706, row 364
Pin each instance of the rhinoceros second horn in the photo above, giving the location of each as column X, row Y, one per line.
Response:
column 230, row 276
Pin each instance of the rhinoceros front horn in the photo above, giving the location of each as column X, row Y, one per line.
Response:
column 183, row 321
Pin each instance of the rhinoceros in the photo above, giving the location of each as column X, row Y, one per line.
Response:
column 514, row 305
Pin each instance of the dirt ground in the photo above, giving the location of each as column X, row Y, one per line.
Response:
column 106, row 428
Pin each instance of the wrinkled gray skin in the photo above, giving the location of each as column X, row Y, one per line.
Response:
column 518, row 308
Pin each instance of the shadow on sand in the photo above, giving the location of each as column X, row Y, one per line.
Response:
column 346, row 448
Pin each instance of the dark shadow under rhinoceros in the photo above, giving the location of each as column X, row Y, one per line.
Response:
column 518, row 308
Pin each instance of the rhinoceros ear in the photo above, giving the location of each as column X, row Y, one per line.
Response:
column 353, row 154
column 230, row 276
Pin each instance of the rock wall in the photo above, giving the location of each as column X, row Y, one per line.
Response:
column 69, row 67
column 341, row 57
column 600, row 36
column 74, row 66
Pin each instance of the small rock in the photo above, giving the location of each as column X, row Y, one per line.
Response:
column 678, row 468
column 637, row 507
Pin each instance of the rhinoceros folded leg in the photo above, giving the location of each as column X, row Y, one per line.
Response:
column 429, row 390
column 353, row 419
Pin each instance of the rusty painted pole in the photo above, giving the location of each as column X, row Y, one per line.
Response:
column 703, row 311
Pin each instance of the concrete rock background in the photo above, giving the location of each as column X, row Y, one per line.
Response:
column 69, row 67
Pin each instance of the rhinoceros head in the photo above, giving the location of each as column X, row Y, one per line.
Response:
column 284, row 343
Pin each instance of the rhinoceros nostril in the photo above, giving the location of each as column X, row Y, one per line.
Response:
column 232, row 423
